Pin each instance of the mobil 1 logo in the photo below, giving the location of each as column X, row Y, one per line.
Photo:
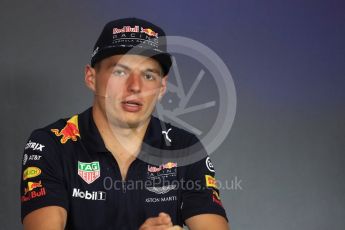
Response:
column 93, row 195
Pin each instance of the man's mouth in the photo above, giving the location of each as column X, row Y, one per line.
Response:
column 132, row 106
column 132, row 103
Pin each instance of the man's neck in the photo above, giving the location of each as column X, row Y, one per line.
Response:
column 122, row 141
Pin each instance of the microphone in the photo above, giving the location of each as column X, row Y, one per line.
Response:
column 104, row 96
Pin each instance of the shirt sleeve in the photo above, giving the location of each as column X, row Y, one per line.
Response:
column 200, row 194
column 42, row 181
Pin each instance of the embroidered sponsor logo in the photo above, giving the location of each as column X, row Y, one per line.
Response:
column 161, row 190
column 70, row 131
column 162, row 174
column 94, row 195
column 153, row 169
column 164, row 170
column 34, row 146
column 209, row 164
column 27, row 158
column 216, row 194
column 216, row 200
column 160, row 199
column 126, row 29
column 210, row 181
column 31, row 172
column 168, row 165
column 149, row 32
column 34, row 157
column 32, row 186
column 166, row 135
column 95, row 52
column 135, row 29
column 34, row 194
column 89, row 172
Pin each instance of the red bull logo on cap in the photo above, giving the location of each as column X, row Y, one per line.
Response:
column 126, row 29
column 69, row 132
column 149, row 32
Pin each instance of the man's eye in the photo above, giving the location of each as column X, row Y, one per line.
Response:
column 150, row 76
column 119, row 73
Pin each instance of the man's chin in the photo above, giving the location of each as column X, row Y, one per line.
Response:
column 131, row 122
column 123, row 119
column 128, row 123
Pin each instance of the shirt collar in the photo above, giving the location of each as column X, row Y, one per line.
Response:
column 93, row 141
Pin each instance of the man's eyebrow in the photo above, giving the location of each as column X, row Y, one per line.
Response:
column 115, row 64
column 153, row 70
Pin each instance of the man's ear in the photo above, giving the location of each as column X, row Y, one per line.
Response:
column 90, row 75
column 163, row 88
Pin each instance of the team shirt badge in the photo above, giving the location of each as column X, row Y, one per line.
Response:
column 31, row 172
column 69, row 132
column 89, row 172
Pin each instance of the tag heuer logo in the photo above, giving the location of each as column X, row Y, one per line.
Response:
column 89, row 171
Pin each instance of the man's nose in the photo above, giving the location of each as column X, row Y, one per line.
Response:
column 134, row 82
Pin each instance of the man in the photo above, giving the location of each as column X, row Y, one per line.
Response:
column 77, row 172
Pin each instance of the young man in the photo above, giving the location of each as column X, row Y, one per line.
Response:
column 115, row 166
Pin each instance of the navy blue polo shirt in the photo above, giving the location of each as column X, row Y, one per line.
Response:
column 66, row 164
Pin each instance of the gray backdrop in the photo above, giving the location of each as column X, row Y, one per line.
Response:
column 287, row 61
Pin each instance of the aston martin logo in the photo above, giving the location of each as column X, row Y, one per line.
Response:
column 161, row 190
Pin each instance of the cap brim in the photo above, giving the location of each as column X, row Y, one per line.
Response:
column 164, row 59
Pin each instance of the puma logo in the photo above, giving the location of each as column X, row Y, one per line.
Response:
column 166, row 134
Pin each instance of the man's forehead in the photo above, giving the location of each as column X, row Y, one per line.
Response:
column 132, row 61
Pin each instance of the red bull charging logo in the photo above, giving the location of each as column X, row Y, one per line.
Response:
column 32, row 186
column 154, row 169
column 149, row 32
column 70, row 131
column 135, row 29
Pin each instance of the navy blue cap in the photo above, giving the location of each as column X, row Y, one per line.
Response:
column 132, row 36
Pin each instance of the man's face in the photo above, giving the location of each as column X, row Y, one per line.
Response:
column 127, row 88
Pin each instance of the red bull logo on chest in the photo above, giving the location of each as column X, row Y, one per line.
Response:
column 154, row 169
column 69, row 132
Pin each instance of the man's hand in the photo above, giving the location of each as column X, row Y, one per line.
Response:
column 161, row 222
